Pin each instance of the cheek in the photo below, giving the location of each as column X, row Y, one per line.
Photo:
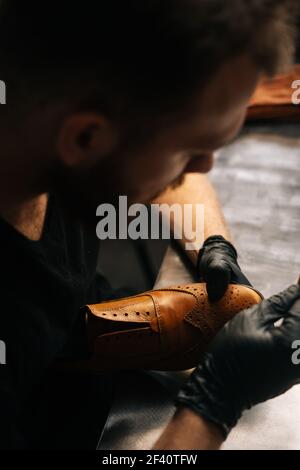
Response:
column 238, row 123
column 161, row 168
column 201, row 164
column 160, row 177
column 229, row 133
column 170, row 169
column 222, row 130
column 152, row 178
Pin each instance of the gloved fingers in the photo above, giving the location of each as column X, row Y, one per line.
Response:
column 278, row 306
column 217, row 279
column 237, row 277
column 290, row 327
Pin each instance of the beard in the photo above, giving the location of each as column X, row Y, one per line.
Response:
column 172, row 186
column 80, row 192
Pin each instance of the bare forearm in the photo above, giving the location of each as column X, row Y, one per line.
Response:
column 188, row 431
column 197, row 189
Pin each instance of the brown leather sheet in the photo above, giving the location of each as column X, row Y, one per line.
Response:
column 273, row 98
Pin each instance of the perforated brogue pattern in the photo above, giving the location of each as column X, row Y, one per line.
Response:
column 236, row 299
column 135, row 312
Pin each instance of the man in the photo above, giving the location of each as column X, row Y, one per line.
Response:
column 123, row 100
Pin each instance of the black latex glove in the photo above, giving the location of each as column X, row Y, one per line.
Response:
column 249, row 362
column 217, row 265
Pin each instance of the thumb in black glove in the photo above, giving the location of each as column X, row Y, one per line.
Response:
column 250, row 361
column 217, row 265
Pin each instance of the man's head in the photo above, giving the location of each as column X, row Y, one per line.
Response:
column 123, row 97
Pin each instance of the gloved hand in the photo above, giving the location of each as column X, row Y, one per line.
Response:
column 217, row 265
column 249, row 362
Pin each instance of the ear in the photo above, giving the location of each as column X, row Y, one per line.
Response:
column 85, row 138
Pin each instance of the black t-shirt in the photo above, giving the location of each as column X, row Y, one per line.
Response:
column 43, row 285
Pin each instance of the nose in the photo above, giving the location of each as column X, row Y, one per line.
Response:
column 200, row 163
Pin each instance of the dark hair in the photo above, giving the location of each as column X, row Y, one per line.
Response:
column 153, row 52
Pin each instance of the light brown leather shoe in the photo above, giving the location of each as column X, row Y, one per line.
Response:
column 165, row 329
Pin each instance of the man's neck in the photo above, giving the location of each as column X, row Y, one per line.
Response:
column 29, row 217
column 26, row 163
